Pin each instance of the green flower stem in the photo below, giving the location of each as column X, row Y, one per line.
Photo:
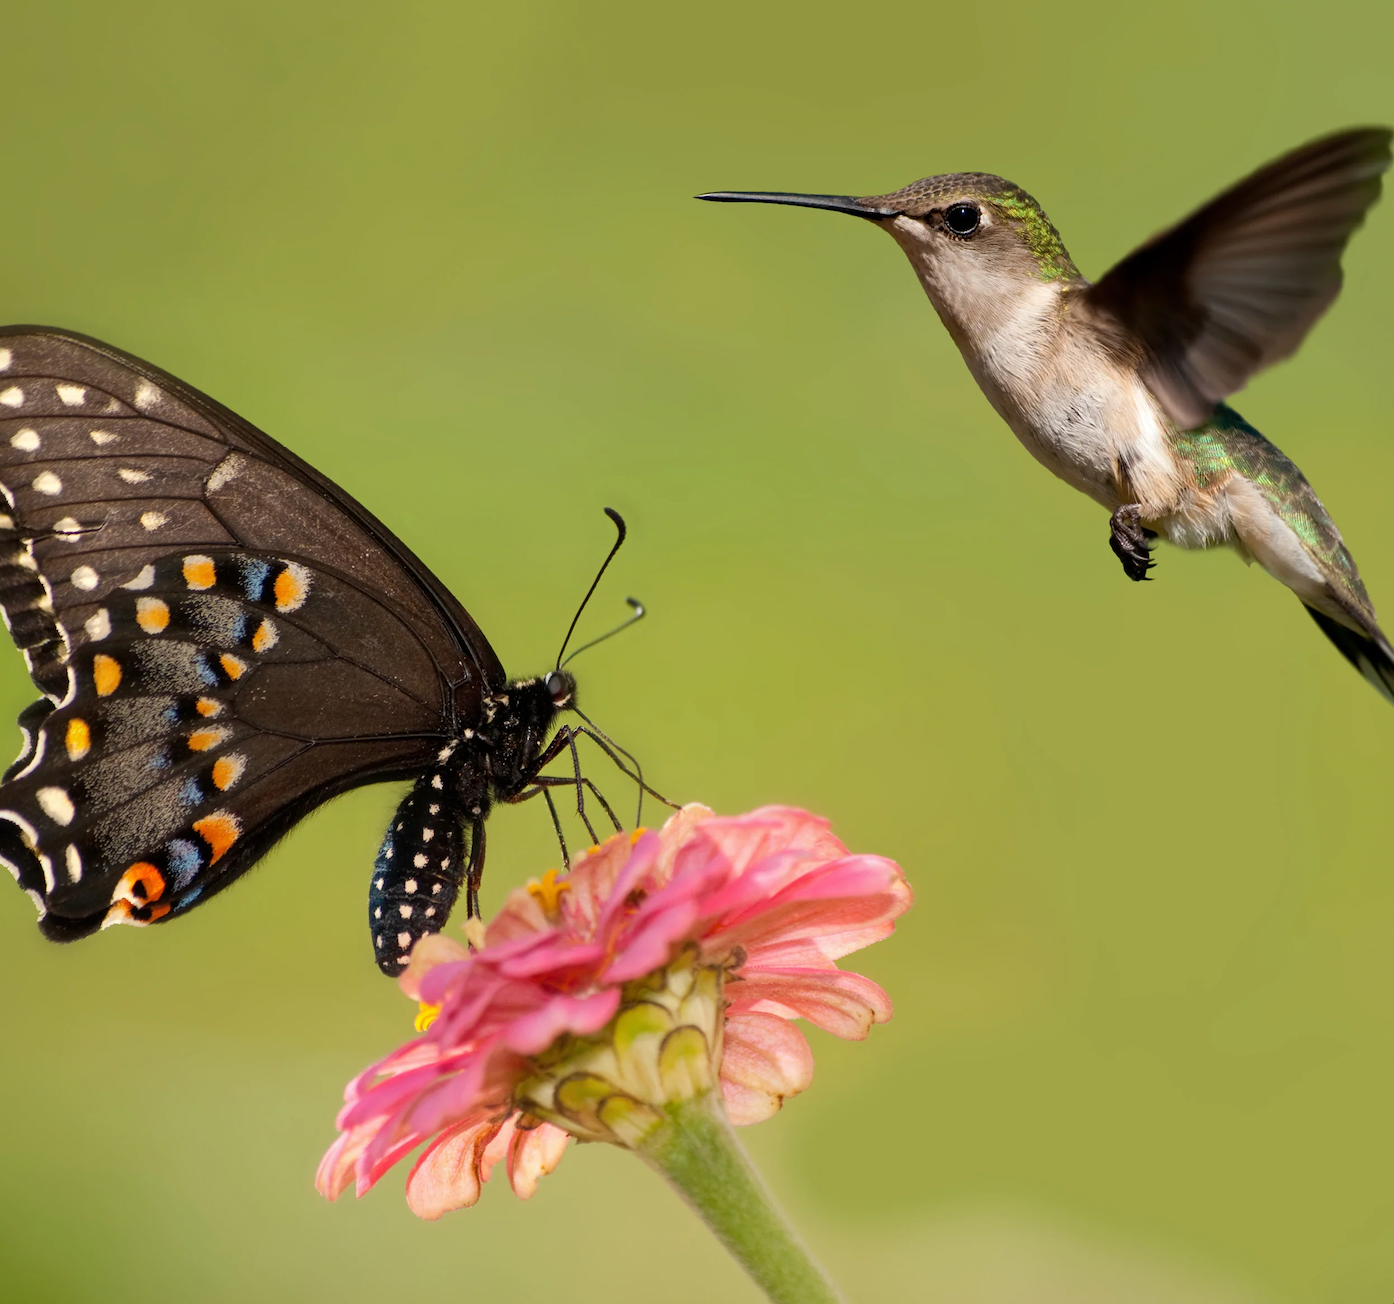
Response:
column 697, row 1151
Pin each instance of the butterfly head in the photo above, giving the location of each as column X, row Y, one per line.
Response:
column 561, row 686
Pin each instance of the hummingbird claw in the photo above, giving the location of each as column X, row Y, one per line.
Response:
column 1131, row 542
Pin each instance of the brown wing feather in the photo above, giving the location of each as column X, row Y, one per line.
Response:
column 1237, row 285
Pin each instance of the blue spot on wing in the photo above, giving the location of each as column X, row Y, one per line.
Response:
column 254, row 576
column 184, row 862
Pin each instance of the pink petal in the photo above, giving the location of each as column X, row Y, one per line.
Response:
column 591, row 883
column 830, row 913
column 335, row 1173
column 763, row 1060
column 651, row 946
column 432, row 950
column 845, row 1004
column 446, row 1176
column 743, row 841
column 498, row 1147
column 636, row 870
column 675, row 834
column 533, row 1033
column 533, row 1154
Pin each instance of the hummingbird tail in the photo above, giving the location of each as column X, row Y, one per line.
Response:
column 1368, row 653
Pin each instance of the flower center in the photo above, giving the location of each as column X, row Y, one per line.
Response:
column 548, row 892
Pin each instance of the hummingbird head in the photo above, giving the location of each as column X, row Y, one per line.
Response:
column 982, row 247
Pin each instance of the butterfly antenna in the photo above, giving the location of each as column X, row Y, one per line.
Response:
column 640, row 611
column 623, row 530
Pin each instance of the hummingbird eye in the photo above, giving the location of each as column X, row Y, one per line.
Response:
column 962, row 219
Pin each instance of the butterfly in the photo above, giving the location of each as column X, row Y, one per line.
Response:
column 225, row 639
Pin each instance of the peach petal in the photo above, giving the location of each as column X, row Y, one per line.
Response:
column 764, row 1059
column 446, row 1176
column 845, row 1004
column 534, row 1153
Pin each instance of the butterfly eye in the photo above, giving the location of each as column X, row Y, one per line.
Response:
column 962, row 219
column 562, row 687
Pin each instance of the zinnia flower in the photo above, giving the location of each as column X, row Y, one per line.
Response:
column 598, row 1003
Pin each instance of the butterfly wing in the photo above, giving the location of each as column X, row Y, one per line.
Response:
column 224, row 638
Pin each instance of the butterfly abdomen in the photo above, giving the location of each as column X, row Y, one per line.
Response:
column 423, row 860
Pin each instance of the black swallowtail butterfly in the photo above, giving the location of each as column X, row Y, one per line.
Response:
column 224, row 640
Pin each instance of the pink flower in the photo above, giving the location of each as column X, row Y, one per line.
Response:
column 664, row 963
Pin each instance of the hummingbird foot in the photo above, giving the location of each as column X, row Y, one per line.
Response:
column 1131, row 542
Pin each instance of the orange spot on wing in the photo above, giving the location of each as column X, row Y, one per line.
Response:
column 202, row 739
column 141, row 883
column 159, row 911
column 227, row 770
column 106, row 674
column 291, row 587
column 265, row 636
column 78, row 739
column 233, row 667
column 152, row 615
column 199, row 573
column 208, row 706
column 220, row 830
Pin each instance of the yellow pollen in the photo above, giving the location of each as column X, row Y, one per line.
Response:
column 106, row 674
column 78, row 739
column 426, row 1016
column 548, row 892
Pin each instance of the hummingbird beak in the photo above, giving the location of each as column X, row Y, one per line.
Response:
column 833, row 203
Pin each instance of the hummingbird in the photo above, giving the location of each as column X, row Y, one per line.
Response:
column 1118, row 386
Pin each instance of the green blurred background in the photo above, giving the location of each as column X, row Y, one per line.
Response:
column 447, row 252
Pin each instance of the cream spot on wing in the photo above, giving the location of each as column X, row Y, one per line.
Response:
column 404, row 911
column 147, row 395
column 56, row 804
column 98, row 626
column 48, row 483
column 25, row 440
column 68, row 529
column 143, row 580
column 72, row 395
column 403, row 939
column 153, row 520
column 410, row 885
column 6, row 357
column 427, row 834
column 84, row 577
column 131, row 476
column 100, row 437
column 12, row 397
column 223, row 472
column 419, row 860
column 74, row 859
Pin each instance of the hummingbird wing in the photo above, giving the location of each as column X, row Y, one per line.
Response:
column 1236, row 286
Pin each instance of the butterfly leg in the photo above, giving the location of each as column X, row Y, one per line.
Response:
column 1131, row 541
column 581, row 781
column 610, row 747
column 540, row 789
column 474, row 871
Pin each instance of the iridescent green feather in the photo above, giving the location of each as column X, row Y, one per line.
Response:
column 1228, row 444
